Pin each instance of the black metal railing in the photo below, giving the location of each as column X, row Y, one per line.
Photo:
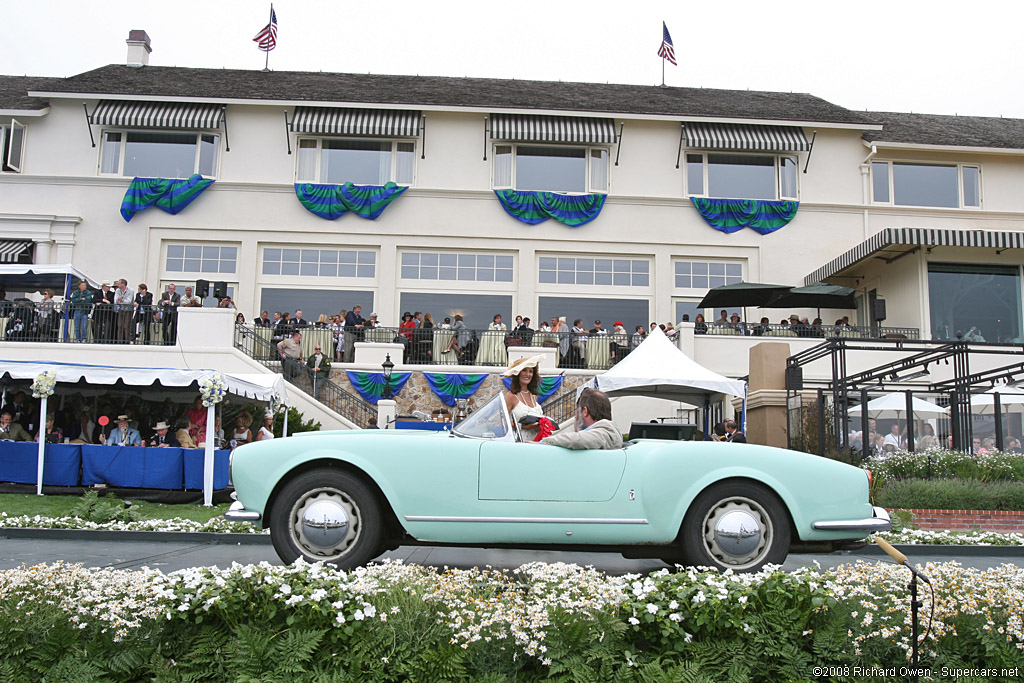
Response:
column 257, row 343
column 22, row 320
column 805, row 330
column 562, row 407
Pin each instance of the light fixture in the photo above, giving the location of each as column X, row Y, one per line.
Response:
column 915, row 375
column 389, row 367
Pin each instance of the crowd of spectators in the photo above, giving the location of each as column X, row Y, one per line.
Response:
column 896, row 439
column 798, row 326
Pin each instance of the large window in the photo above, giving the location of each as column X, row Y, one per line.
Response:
column 463, row 266
column 12, row 146
column 975, row 302
column 197, row 258
column 691, row 274
column 151, row 154
column 363, row 162
column 741, row 176
column 477, row 310
column 313, row 302
column 631, row 312
column 550, row 168
column 916, row 184
column 568, row 270
column 319, row 262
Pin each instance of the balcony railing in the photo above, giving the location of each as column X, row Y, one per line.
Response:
column 50, row 321
column 809, row 331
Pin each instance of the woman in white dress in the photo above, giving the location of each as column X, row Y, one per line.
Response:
column 266, row 430
column 492, row 346
column 521, row 398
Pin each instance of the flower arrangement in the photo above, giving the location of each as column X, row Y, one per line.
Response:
column 276, row 403
column 44, row 383
column 212, row 390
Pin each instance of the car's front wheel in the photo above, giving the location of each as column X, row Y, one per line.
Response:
column 326, row 515
column 735, row 525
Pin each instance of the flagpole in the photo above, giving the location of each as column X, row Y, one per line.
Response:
column 662, row 72
column 270, row 21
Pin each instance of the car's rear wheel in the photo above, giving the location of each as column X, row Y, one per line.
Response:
column 735, row 525
column 326, row 515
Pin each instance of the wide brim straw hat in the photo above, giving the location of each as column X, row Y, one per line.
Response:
column 246, row 419
column 516, row 366
column 161, row 425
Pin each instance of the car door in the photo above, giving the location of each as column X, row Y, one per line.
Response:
column 536, row 472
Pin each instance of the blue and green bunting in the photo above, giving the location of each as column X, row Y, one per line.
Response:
column 370, row 385
column 761, row 215
column 449, row 387
column 170, row 195
column 573, row 210
column 334, row 201
column 548, row 386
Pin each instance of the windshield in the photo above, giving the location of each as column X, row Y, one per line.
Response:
column 489, row 421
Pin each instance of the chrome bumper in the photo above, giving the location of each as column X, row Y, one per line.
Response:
column 238, row 513
column 880, row 521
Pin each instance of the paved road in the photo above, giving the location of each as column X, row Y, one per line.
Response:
column 171, row 556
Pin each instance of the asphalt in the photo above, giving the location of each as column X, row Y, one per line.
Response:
column 171, row 551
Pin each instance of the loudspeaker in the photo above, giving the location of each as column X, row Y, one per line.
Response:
column 220, row 290
column 202, row 288
column 879, row 312
column 794, row 378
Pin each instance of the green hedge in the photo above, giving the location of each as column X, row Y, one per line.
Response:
column 950, row 494
column 396, row 622
column 945, row 464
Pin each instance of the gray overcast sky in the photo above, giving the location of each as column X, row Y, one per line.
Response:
column 938, row 57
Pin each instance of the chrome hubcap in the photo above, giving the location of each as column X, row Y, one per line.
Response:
column 325, row 524
column 737, row 532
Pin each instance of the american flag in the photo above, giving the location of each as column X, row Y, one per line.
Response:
column 266, row 39
column 666, row 51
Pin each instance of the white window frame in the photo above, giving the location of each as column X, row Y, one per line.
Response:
column 623, row 290
column 202, row 274
column 456, row 286
column 124, row 146
column 960, row 166
column 689, row 292
column 346, row 280
column 588, row 152
column 320, row 139
column 6, row 138
column 777, row 167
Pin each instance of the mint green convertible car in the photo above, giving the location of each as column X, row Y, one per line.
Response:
column 346, row 497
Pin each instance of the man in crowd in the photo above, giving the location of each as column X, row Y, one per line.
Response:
column 893, row 438
column 103, row 315
column 124, row 300
column 578, row 342
column 263, row 320
column 353, row 331
column 290, row 350
column 11, row 430
column 190, row 300
column 594, row 427
column 733, row 433
column 597, row 329
column 124, row 435
column 161, row 439
column 320, row 364
column 169, row 302
column 298, row 322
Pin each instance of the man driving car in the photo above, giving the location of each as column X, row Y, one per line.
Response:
column 594, row 427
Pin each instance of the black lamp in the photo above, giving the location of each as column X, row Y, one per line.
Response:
column 388, row 369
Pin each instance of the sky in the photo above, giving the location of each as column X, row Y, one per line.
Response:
column 937, row 57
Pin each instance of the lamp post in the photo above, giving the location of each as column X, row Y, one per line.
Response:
column 389, row 367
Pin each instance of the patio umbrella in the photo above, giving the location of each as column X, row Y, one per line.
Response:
column 742, row 294
column 1010, row 398
column 894, row 405
column 815, row 296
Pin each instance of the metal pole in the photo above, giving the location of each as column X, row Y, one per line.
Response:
column 864, row 425
column 821, row 422
column 910, row 420
column 998, row 407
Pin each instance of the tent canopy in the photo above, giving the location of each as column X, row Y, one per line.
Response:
column 742, row 294
column 260, row 387
column 35, row 278
column 895, row 405
column 658, row 369
column 816, row 296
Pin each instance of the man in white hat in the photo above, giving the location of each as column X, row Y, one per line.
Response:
column 161, row 439
column 124, row 435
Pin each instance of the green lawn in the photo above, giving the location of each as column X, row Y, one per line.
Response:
column 16, row 504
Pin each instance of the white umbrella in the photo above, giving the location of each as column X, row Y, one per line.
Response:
column 895, row 405
column 1010, row 398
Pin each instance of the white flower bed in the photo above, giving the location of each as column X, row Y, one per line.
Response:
column 926, row 537
column 214, row 525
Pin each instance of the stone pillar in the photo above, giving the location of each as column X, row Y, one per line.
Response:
column 387, row 410
column 766, row 396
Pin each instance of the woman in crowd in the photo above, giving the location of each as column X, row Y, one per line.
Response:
column 321, row 321
column 242, row 433
column 428, row 321
column 521, row 398
column 338, row 330
column 143, row 313
column 266, row 430
column 699, row 326
column 928, row 438
column 197, row 418
column 51, row 434
column 240, row 319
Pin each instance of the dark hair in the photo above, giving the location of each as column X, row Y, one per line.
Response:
column 719, row 430
column 142, row 285
column 576, row 322
column 731, row 424
column 597, row 404
column 533, row 387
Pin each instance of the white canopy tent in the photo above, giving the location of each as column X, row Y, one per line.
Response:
column 261, row 387
column 894, row 405
column 34, row 278
column 1010, row 399
column 659, row 369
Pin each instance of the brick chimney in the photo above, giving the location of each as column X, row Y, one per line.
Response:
column 138, row 48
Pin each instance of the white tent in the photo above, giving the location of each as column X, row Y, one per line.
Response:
column 895, row 405
column 261, row 387
column 34, row 278
column 658, row 369
column 1010, row 399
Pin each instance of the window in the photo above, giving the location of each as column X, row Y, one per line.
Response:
column 12, row 144
column 631, row 312
column 707, row 274
column 363, row 162
column 550, row 168
column 153, row 154
column 741, row 176
column 313, row 301
column 197, row 258
column 467, row 267
column 568, row 270
column 688, row 308
column 319, row 262
column 975, row 302
column 919, row 184
column 477, row 310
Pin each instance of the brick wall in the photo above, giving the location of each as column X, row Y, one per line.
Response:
column 1002, row 521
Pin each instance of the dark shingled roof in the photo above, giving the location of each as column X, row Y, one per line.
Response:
column 14, row 91
column 934, row 129
column 227, row 84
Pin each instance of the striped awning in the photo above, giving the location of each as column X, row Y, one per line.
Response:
column 884, row 241
column 11, row 250
column 156, row 115
column 529, row 128
column 386, row 123
column 746, row 137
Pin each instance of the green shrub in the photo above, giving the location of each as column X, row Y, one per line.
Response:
column 951, row 494
column 945, row 464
